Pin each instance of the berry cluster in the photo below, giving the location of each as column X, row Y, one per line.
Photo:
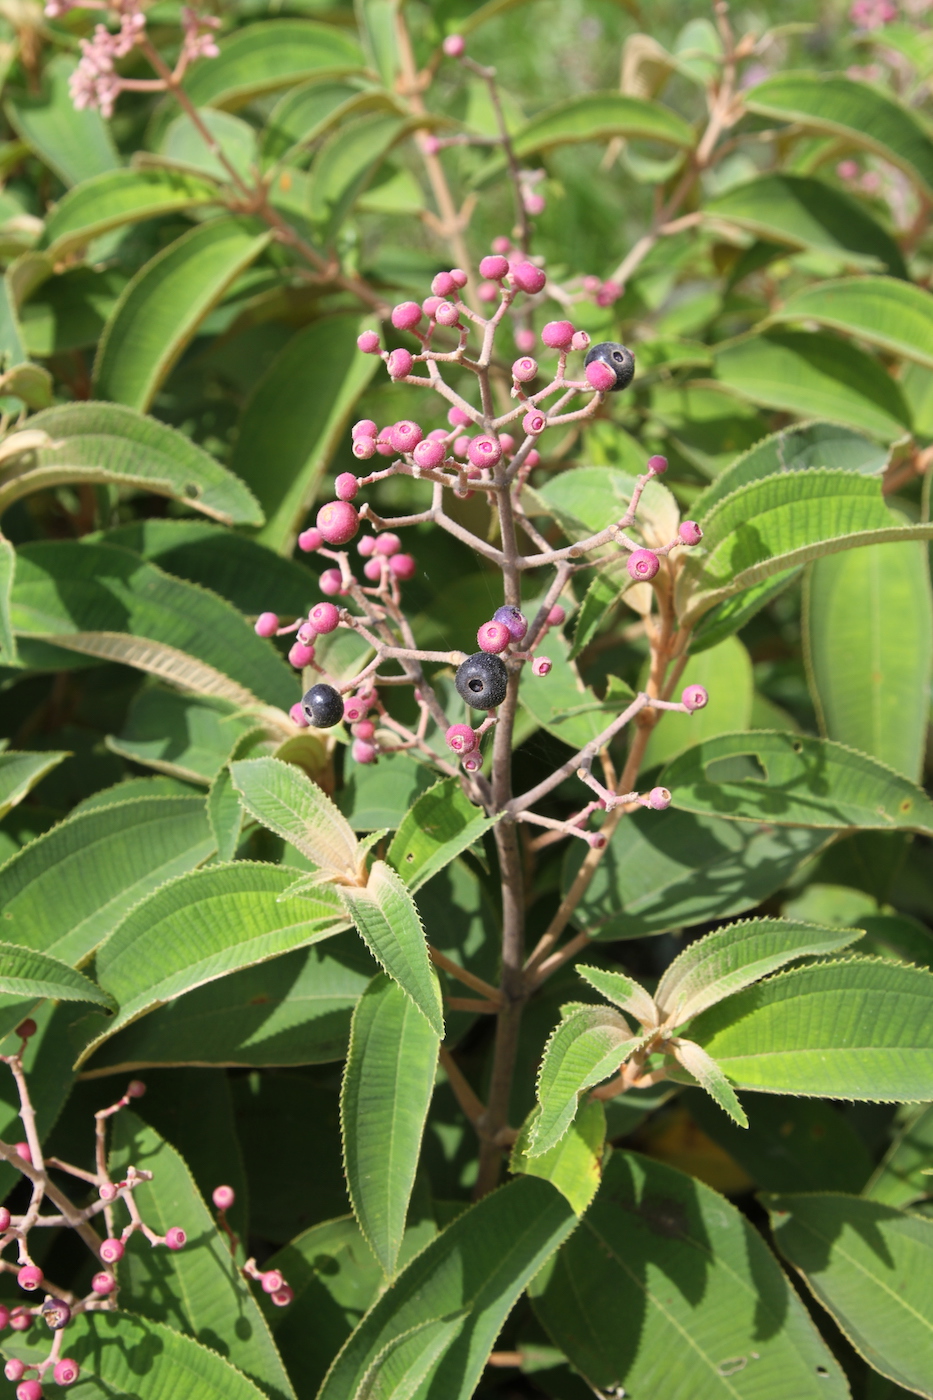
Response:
column 270, row 1281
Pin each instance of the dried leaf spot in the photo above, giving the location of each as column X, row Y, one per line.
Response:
column 733, row 1366
column 906, row 805
column 192, row 490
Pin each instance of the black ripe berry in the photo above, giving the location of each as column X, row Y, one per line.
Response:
column 619, row 359
column 482, row 680
column 322, row 706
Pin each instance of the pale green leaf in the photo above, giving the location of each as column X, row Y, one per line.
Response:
column 590, row 498
column 627, row 994
column 27, row 974
column 76, row 145
column 573, row 1165
column 442, row 823
column 21, row 771
column 264, row 57
column 894, row 315
column 347, row 162
column 560, row 702
column 583, row 1050
column 116, row 198
column 903, row 1174
column 710, row 1077
column 601, row 116
column 309, row 112
column 726, row 673
column 729, row 616
column 185, row 736
column 7, row 572
column 283, row 798
column 224, row 810
column 233, row 142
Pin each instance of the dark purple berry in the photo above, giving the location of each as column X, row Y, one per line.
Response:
column 617, row 358
column 482, row 680
column 514, row 620
column 323, row 707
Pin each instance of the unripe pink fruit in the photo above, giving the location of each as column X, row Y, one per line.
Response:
column 368, row 342
column 429, row 453
column 406, row 315
column 532, row 459
column 14, row 1369
column 323, row 618
column 484, row 452
column 525, row 340
column 310, row 540
column 506, row 442
column 297, row 715
column 66, row 1371
column 306, row 635
column 372, row 569
column 363, row 448
column 690, row 532
column 557, row 334
column 473, row 762
column 300, row 655
column 534, row 422
column 346, row 486
column 557, row 616
column 461, row 445
column 493, row 637
column 430, row 305
column 283, row 1296
column 30, row 1277
column 695, row 697
column 402, row 567
column 107, row 1192
column 447, row 314
column 135, row 1089
column 355, row 708
column 458, row 419
column 443, row 285
column 657, row 465
column 223, row 1197
column 365, row 729
column 399, row 364
column 266, row 625
column 338, row 522
column 29, row 1390
column 363, row 751
column 501, row 244
column 524, row 369
column 460, row 738
column 111, row 1250
column 330, row 582
column 580, row 341
column 600, row 376
column 495, row 267
column 271, row 1281
column 364, row 428
column 454, row 45
column 487, row 291
column 21, row 1321
column 103, row 1284
column 384, row 446
column 4, row 1316
column 388, row 543
column 23, row 1149
column 535, row 204
column 405, row 436
column 541, row 665
column 5, row 1218
column 175, row 1238
column 431, row 145
column 596, row 840
column 458, row 277
column 643, row 564
column 366, row 546
column 527, row 278
column 609, row 293
column 659, row 799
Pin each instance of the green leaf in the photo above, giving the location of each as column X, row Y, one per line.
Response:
column 105, row 602
column 590, row 498
column 198, row 1290
column 852, row 1029
column 20, row 772
column 860, row 112
column 47, row 1060
column 883, row 311
column 76, row 145
column 66, row 891
column 574, row 1165
column 390, row 925
column 305, row 400
column 896, row 936
column 182, row 735
column 12, row 339
column 871, row 1267
column 233, row 142
column 379, row 795
column 406, row 1361
column 725, row 671
column 725, row 961
column 622, row 991
column 602, row 596
column 202, row 926
column 586, row 1048
column 478, row 1265
column 665, row 871
column 265, row 57
column 107, row 443
column 123, row 1355
column 346, row 163
column 27, row 974
column 601, row 116
column 795, row 780
column 387, row 1088
column 815, row 375
column 224, row 810
column 729, row 616
column 116, row 198
column 286, row 801
column 710, row 1077
column 708, row 1312
column 164, row 304
column 903, row 1176
column 805, row 213
column 870, row 681
column 442, row 823
column 7, row 572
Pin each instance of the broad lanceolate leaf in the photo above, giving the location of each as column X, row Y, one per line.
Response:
column 198, row 1290
column 203, row 926
column 859, row 112
column 587, row 1047
column 872, row 1267
column 710, row 1077
column 109, row 443
column 66, row 891
column 806, row 213
column 116, row 198
column 400, row 1368
column 725, row 961
column 264, row 57
column 345, row 165
column 815, row 375
column 600, row 116
column 390, row 926
column 796, row 780
column 76, row 145
column 19, row 773
column 185, row 736
column 623, row 991
column 303, row 401
column 309, row 112
column 285, row 800
column 163, row 305
column 868, row 616
column 725, row 670
column 26, row 973
column 387, row 1088
column 479, row 1266
column 442, row 824
column 573, row 1165
column 894, row 315
column 853, row 1029
column 707, row 1312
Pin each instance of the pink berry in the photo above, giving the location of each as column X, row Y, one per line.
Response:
column 506, row 442
column 535, row 204
column 493, row 637
column 580, row 341
column 524, row 369
column 541, row 665
column 609, row 293
column 338, row 522
column 431, row 145
column 532, row 459
column 429, row 453
column 330, row 582
column 363, row 448
column 501, row 244
column 557, row 334
column 29, row 1390
column 297, row 715
column 557, row 616
column 175, row 1238
column 690, row 532
column 526, row 340
column 363, row 751
column 372, row 569
column 534, row 422
column 310, row 540
column 283, row 1296
column 103, row 1284
column 487, row 291
column 384, row 447
column 368, row 342
column 366, row 546
column 695, row 697
column 461, row 445
column 447, row 314
column 14, row 1369
column 111, row 1250
column 596, row 839
column 600, row 376
column 473, row 762
column 23, row 1149
column 443, row 285
column 430, row 305
column 659, row 799
column 495, row 267
column 458, row 277
column 107, row 1192
column 642, row 564
column 266, row 625
column 30, row 1277
column 365, row 729
column 460, row 738
column 21, row 1321
column 300, row 655
column 484, row 452
column 591, row 285
column 402, row 567
column 4, row 1316
column 136, row 1089
column 388, row 543
column 346, row 486
column 355, row 708
column 399, row 364
column 526, row 277
column 458, row 419
column 66, row 1371
column 406, row 315
column 271, row 1281
column 405, row 435
column 657, row 465
column 323, row 618
column 5, row 1218
column 364, row 428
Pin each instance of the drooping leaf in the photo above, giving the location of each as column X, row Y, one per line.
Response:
column 286, row 801
column 870, row 680
column 479, row 1266
column 902, row 1176
column 854, row 1029
column 264, row 57
column 795, row 780
column 884, row 311
column 76, row 145
column 116, row 198
column 387, row 1088
column 27, row 974
column 871, row 1266
column 707, row 1311
column 442, row 823
column 163, row 305
column 186, row 736
column 573, row 1165
column 20, row 772
column 587, row 1047
column 601, row 116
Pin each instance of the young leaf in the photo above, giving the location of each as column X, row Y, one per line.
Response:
column 902, row 1175
column 264, row 57
column 573, row 1165
column 601, row 116
column 794, row 779
column 478, row 1266
column 387, row 1088
column 710, row 1077
column 163, row 305
column 853, row 1029
column 884, row 311
column 442, row 823
column 584, row 1049
column 872, row 1268
column 623, row 991
column 708, row 1313
column 116, row 198
column 389, row 924
column 76, row 145
column 20, row 772
column 725, row 961
column 27, row 974
column 284, row 799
